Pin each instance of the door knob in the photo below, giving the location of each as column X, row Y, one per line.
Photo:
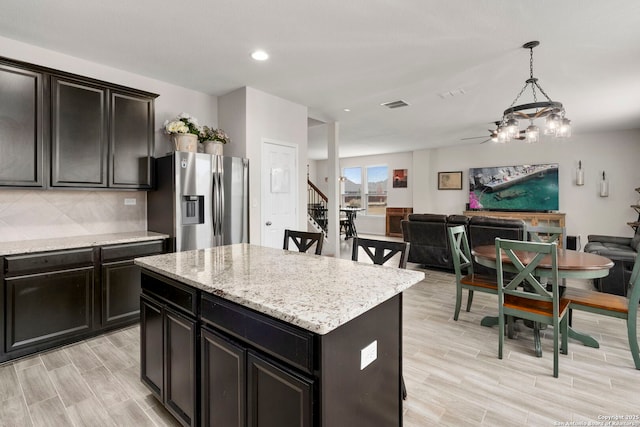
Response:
column 268, row 223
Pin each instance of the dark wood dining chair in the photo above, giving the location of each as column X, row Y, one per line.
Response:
column 463, row 267
column 523, row 296
column 613, row 306
column 303, row 240
column 379, row 252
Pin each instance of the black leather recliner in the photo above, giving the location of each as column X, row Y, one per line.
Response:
column 622, row 251
column 429, row 240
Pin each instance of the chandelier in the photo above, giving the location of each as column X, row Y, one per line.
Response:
column 557, row 125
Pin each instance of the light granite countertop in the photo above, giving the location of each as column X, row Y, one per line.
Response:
column 43, row 245
column 317, row 293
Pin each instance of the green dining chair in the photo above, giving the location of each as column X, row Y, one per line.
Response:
column 613, row 306
column 547, row 234
column 463, row 267
column 524, row 297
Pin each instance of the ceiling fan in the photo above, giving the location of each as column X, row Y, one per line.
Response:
column 493, row 135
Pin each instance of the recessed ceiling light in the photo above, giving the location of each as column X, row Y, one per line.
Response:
column 260, row 55
column 347, row 109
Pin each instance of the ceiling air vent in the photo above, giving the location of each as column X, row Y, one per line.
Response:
column 395, row 104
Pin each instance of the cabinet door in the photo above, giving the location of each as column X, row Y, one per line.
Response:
column 21, row 127
column 276, row 397
column 223, row 379
column 131, row 141
column 180, row 370
column 78, row 134
column 44, row 309
column 152, row 346
column 120, row 292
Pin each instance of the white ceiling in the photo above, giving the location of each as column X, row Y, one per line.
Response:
column 356, row 54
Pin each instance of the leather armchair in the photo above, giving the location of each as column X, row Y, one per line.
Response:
column 622, row 251
column 427, row 235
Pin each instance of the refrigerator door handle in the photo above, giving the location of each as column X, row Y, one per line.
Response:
column 221, row 195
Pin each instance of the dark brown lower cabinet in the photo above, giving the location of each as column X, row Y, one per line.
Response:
column 120, row 281
column 48, row 299
column 250, row 369
column 276, row 397
column 181, row 337
column 47, row 308
column 168, row 358
column 223, row 381
column 169, row 344
column 241, row 387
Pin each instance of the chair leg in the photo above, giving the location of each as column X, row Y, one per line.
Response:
column 556, row 345
column 511, row 327
column 536, row 339
column 404, row 389
column 501, row 326
column 565, row 335
column 469, row 300
column 456, row 313
column 632, row 319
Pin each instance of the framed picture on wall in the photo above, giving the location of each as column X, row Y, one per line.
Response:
column 399, row 178
column 450, row 180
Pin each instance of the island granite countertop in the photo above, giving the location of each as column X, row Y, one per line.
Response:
column 62, row 243
column 317, row 293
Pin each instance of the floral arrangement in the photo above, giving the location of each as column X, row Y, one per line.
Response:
column 210, row 134
column 184, row 123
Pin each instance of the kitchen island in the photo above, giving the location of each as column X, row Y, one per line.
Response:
column 247, row 335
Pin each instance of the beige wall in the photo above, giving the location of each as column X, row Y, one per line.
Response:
column 261, row 117
column 39, row 214
column 617, row 153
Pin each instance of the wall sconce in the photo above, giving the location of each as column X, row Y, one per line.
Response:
column 604, row 186
column 579, row 174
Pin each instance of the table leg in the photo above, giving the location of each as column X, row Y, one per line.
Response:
column 489, row 321
column 585, row 339
column 352, row 223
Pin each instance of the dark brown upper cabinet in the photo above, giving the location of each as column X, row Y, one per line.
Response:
column 21, row 127
column 78, row 134
column 59, row 129
column 131, row 141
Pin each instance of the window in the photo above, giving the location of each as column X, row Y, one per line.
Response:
column 375, row 190
column 352, row 188
column 377, row 178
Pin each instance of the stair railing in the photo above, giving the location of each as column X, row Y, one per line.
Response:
column 317, row 205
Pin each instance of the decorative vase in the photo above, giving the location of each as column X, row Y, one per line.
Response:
column 213, row 147
column 186, row 142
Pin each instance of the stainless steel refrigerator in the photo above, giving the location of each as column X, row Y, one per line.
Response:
column 200, row 200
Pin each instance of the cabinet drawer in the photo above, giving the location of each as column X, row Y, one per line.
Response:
column 131, row 250
column 292, row 345
column 174, row 294
column 48, row 261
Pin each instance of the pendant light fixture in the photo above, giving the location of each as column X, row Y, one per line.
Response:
column 556, row 125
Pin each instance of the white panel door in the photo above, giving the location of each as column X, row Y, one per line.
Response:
column 279, row 192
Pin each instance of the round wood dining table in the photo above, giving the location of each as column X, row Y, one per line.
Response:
column 571, row 265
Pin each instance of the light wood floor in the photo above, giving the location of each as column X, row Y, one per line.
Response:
column 451, row 370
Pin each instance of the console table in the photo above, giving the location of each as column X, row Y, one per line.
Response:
column 394, row 220
column 534, row 219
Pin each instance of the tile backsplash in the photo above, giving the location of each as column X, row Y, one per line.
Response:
column 38, row 214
